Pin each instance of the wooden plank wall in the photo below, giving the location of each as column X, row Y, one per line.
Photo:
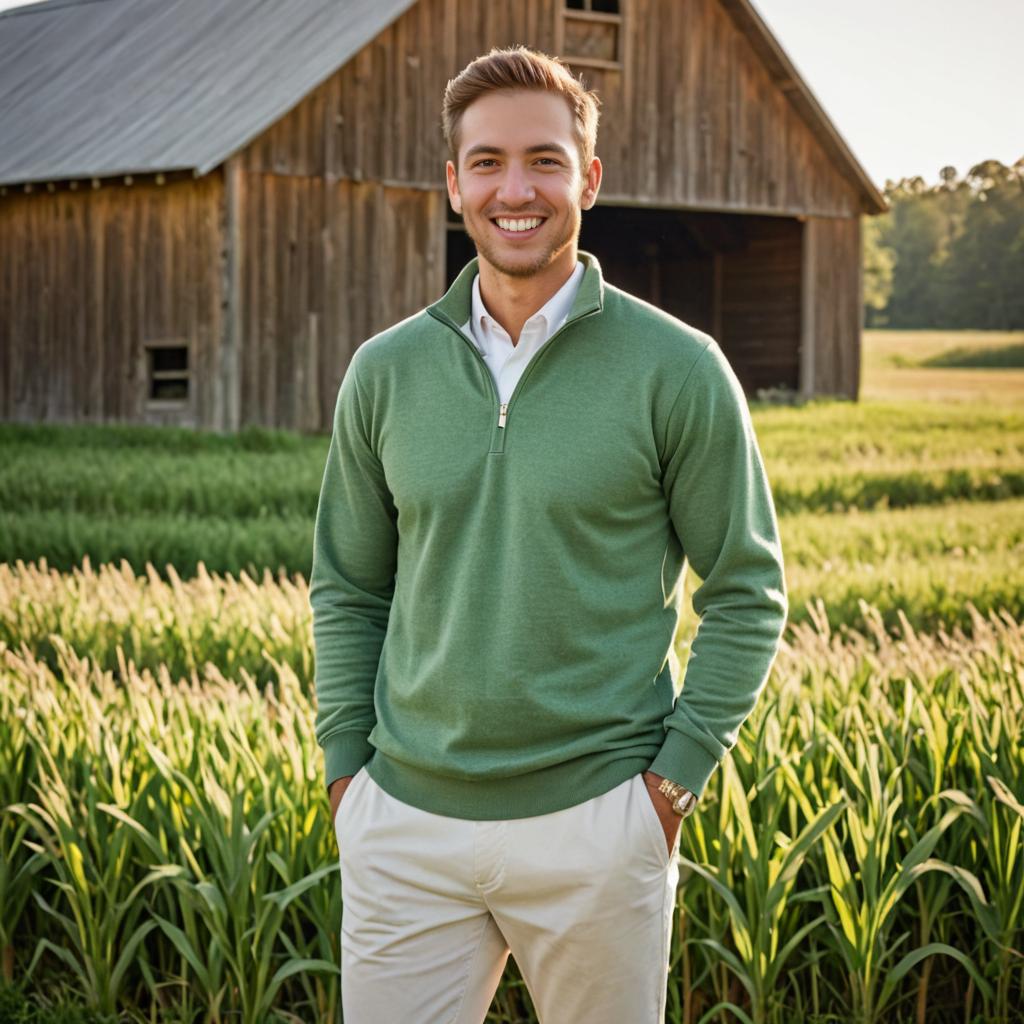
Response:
column 325, row 265
column 760, row 304
column 88, row 275
column 693, row 119
column 832, row 307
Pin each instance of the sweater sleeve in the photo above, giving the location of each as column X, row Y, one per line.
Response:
column 721, row 508
column 351, row 584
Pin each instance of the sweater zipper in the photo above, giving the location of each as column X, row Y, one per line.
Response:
column 498, row 434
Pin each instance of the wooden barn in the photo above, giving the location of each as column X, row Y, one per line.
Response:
column 205, row 208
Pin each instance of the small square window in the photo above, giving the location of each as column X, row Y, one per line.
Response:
column 167, row 372
column 589, row 33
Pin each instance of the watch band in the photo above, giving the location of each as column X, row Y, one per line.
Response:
column 683, row 801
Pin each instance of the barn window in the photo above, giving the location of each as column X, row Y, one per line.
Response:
column 167, row 372
column 590, row 33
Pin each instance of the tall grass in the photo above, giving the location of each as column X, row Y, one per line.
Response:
column 162, row 621
column 240, row 625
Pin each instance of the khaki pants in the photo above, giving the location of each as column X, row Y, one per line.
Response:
column 583, row 898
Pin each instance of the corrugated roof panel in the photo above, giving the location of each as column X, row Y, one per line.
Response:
column 106, row 87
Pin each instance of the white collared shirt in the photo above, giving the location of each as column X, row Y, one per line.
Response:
column 505, row 360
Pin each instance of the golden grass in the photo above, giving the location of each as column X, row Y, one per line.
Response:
column 883, row 379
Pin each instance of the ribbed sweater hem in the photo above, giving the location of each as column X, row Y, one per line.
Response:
column 520, row 796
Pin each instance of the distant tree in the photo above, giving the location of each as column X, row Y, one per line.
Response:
column 878, row 262
column 952, row 198
column 956, row 251
column 915, row 232
column 986, row 272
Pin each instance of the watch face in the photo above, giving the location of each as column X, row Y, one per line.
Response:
column 687, row 804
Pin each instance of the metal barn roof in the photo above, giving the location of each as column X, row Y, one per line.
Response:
column 93, row 88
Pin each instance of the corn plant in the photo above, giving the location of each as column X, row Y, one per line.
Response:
column 756, row 877
column 97, row 902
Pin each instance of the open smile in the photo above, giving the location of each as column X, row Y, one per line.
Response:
column 518, row 227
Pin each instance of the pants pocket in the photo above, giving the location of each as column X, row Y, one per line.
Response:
column 344, row 810
column 652, row 823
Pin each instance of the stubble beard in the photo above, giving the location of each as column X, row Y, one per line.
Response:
column 544, row 259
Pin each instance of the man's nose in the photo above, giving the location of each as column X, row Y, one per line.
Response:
column 516, row 188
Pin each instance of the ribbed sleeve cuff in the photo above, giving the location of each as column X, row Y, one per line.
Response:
column 345, row 753
column 684, row 761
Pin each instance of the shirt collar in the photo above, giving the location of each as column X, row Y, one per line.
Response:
column 454, row 307
column 554, row 312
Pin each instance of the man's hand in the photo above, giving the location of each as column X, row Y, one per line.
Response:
column 670, row 821
column 335, row 792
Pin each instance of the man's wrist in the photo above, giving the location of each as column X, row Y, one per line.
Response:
column 682, row 800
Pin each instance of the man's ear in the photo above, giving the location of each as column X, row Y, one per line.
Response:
column 453, row 186
column 591, row 184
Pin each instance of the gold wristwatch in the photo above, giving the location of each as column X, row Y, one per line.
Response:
column 683, row 801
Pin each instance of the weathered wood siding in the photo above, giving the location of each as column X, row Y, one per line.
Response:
column 324, row 266
column 693, row 118
column 832, row 307
column 88, row 276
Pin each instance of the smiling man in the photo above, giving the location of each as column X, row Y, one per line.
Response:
column 516, row 479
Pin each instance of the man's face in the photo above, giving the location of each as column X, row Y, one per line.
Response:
column 518, row 184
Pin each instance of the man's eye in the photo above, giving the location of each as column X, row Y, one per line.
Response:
column 548, row 159
column 486, row 160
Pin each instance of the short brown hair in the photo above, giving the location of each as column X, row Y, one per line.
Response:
column 518, row 67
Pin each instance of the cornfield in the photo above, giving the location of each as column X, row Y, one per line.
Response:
column 166, row 851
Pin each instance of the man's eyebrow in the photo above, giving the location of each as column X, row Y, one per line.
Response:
column 540, row 147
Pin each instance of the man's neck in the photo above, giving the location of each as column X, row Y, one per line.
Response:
column 513, row 300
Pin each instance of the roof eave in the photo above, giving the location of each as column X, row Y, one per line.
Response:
column 105, row 176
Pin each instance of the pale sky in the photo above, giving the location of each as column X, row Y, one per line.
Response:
column 911, row 85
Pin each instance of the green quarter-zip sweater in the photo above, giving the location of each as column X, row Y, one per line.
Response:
column 492, row 584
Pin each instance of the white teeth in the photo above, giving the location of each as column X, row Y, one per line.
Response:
column 508, row 224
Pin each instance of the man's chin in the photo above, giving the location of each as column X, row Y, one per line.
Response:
column 521, row 269
column 527, row 265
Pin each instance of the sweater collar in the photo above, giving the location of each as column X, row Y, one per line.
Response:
column 455, row 306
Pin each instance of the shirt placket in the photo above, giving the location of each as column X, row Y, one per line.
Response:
column 520, row 354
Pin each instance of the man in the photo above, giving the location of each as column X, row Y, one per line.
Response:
column 515, row 479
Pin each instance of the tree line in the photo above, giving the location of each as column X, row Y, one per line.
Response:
column 948, row 255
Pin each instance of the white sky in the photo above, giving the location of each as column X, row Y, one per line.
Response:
column 911, row 85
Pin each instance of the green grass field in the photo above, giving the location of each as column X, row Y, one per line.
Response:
column 166, row 853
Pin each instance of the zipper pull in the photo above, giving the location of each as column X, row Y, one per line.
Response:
column 503, row 414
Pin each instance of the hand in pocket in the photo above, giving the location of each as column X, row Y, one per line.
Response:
column 335, row 793
column 670, row 821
